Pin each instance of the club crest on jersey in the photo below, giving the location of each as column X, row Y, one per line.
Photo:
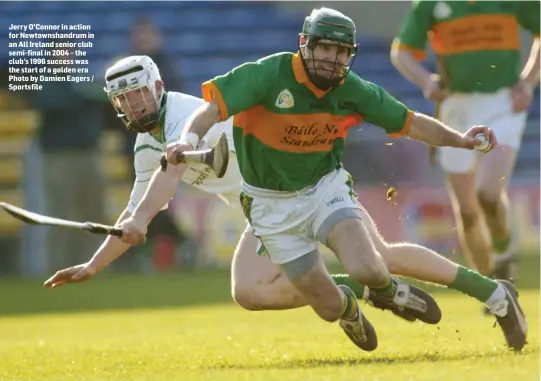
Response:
column 442, row 10
column 285, row 99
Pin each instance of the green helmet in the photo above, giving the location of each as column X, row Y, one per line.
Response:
column 327, row 26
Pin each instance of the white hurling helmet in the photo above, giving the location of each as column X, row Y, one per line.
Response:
column 134, row 73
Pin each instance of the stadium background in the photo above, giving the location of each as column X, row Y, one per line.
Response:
column 196, row 41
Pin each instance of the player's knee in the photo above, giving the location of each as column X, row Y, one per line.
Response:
column 392, row 256
column 246, row 296
column 370, row 271
column 469, row 217
column 489, row 201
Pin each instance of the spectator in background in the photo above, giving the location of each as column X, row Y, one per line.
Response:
column 68, row 137
column 147, row 40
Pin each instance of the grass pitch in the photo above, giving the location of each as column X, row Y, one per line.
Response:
column 183, row 327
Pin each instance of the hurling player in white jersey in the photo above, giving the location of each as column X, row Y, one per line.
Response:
column 136, row 90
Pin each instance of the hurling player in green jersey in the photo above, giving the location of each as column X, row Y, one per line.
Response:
column 291, row 114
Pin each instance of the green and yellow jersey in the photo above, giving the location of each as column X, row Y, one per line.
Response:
column 477, row 42
column 288, row 134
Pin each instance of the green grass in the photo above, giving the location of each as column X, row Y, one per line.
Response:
column 222, row 342
column 184, row 327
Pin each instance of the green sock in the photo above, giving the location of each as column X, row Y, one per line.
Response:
column 346, row 280
column 473, row 284
column 501, row 244
column 387, row 291
column 352, row 307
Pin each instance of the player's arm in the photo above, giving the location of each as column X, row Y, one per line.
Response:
column 433, row 132
column 408, row 48
column 529, row 19
column 530, row 73
column 227, row 95
column 381, row 109
column 161, row 189
column 111, row 249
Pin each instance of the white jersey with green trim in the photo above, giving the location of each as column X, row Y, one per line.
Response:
column 148, row 150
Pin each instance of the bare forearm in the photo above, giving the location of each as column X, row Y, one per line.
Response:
column 410, row 68
column 202, row 120
column 530, row 73
column 431, row 131
column 111, row 249
column 162, row 188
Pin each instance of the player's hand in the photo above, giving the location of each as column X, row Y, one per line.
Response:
column 433, row 89
column 521, row 95
column 470, row 141
column 174, row 149
column 134, row 231
column 74, row 274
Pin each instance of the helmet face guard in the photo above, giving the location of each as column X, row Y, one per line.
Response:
column 326, row 73
column 329, row 29
column 130, row 85
column 146, row 122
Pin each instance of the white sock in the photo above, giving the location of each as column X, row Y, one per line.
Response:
column 498, row 294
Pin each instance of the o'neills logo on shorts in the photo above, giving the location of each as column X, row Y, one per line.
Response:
column 335, row 200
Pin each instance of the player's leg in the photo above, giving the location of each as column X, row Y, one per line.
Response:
column 495, row 170
column 351, row 242
column 471, row 228
column 460, row 112
column 309, row 276
column 257, row 283
column 423, row 264
column 337, row 224
column 291, row 247
column 494, row 173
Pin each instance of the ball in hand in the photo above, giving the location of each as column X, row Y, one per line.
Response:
column 485, row 145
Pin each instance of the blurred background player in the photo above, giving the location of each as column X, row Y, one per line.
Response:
column 478, row 82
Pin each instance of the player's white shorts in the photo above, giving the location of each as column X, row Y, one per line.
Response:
column 495, row 110
column 290, row 224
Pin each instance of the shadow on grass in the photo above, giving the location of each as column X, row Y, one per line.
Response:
column 384, row 360
column 111, row 291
